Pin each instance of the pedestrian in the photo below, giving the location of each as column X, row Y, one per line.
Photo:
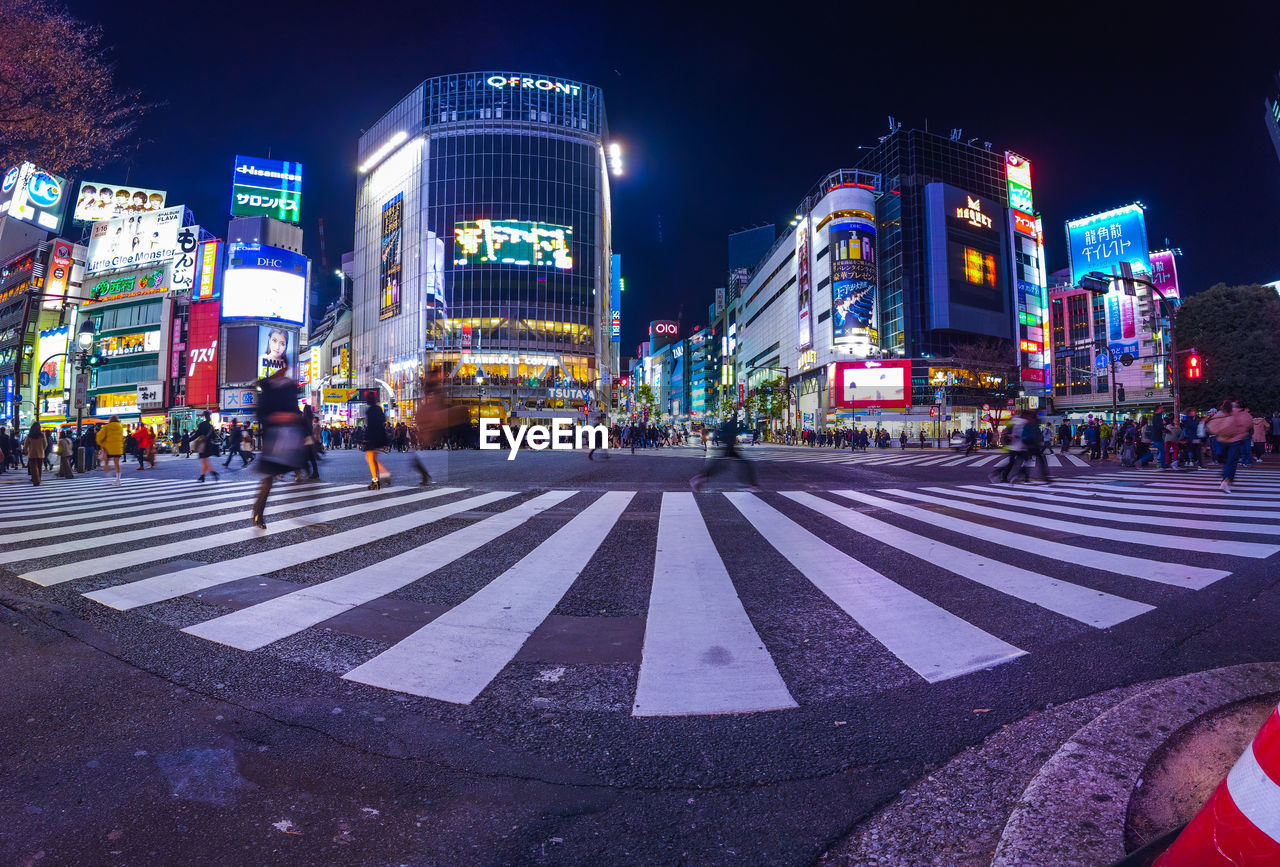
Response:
column 375, row 440
column 110, row 439
column 591, row 455
column 205, row 445
column 36, row 445
column 1232, row 427
column 235, row 438
column 1260, row 427
column 280, row 423
column 65, row 450
column 144, row 441
column 310, row 442
column 728, row 437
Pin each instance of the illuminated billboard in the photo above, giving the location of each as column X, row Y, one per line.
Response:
column 262, row 282
column 51, row 350
column 34, row 196
column 615, row 300
column 852, row 243
column 391, row 257
column 60, row 264
column 98, row 201
column 871, row 385
column 202, row 356
column 208, row 261
column 512, row 242
column 1104, row 242
column 134, row 284
column 134, row 241
column 1164, row 273
column 277, row 351
column 266, row 188
column 804, row 288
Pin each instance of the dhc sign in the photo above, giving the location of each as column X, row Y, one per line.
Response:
column 500, row 82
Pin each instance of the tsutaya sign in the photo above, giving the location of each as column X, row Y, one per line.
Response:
column 500, row 82
column 972, row 214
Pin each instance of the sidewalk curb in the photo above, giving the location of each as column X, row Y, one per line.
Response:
column 1074, row 810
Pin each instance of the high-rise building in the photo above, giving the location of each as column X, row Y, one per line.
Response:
column 1272, row 116
column 482, row 244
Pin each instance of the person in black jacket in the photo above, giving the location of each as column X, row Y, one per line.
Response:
column 375, row 440
column 280, row 421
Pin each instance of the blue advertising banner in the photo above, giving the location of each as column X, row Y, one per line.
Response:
column 1104, row 241
column 615, row 298
column 266, row 188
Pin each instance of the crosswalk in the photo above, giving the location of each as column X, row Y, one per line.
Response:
column 931, row 583
column 878, row 457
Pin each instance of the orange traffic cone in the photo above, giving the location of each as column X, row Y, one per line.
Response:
column 1240, row 823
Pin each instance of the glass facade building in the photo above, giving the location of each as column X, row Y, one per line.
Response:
column 483, row 244
column 908, row 161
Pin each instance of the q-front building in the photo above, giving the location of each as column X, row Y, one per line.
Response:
column 482, row 246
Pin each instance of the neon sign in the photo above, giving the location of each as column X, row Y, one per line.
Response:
column 499, row 82
column 972, row 214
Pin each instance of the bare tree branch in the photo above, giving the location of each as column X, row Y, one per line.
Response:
column 60, row 109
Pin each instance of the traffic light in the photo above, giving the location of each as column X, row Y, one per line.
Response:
column 1120, row 393
column 1194, row 367
column 368, row 395
column 91, row 362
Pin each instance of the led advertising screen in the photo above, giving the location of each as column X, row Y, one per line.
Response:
column 262, row 282
column 208, row 261
column 1104, row 241
column 615, row 300
column 34, row 196
column 512, row 242
column 277, row 350
column 804, row 288
column 853, row 279
column 134, row 241
column 391, row 257
column 872, row 385
column 98, row 201
column 266, row 188
column 51, row 348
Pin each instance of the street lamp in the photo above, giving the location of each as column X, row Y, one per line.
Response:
column 479, row 396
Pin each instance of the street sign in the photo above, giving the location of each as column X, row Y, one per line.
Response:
column 933, row 411
column 1101, row 361
column 986, row 407
column 82, row 389
column 938, row 395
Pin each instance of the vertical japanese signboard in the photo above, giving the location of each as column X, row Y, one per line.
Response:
column 615, row 299
column 391, row 252
column 207, row 274
column 183, row 277
column 804, row 287
column 1031, row 304
column 1164, row 273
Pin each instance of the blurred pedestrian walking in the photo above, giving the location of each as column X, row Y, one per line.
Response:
column 375, row 440
column 205, row 445
column 110, row 439
column 35, row 446
column 1232, row 427
column 280, row 423
column 728, row 435
column 66, row 449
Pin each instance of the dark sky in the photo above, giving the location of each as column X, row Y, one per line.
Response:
column 728, row 117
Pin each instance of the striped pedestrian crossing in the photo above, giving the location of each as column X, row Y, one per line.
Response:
column 879, row 457
column 931, row 583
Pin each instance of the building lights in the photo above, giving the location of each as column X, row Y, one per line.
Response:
column 615, row 158
column 386, row 148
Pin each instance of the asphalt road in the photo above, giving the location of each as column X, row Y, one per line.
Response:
column 562, row 660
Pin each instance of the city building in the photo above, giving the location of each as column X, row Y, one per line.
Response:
column 482, row 245
column 1271, row 118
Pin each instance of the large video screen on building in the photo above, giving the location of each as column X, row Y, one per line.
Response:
column 1105, row 241
column 262, row 282
column 852, row 243
column 873, row 384
column 512, row 242
column 30, row 194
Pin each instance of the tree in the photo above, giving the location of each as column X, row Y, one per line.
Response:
column 59, row 106
column 768, row 400
column 1236, row 330
column 646, row 401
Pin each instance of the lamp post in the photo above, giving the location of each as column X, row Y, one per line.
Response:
column 479, row 396
column 1098, row 282
column 84, row 340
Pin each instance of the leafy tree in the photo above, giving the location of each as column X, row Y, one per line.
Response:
column 59, row 106
column 646, row 400
column 1236, row 330
column 768, row 400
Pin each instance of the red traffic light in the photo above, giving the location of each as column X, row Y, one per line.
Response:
column 1194, row 368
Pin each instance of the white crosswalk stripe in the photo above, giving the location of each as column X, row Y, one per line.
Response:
column 704, row 650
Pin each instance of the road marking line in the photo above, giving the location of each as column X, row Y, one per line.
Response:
column 1175, row 574
column 456, row 656
column 124, row 559
column 259, row 625
column 70, row 511
column 1119, row 501
column 183, row 581
column 701, row 654
column 928, row 639
column 1079, row 462
column 1096, row 514
column 1137, row 537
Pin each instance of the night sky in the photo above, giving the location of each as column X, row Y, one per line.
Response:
column 728, row 118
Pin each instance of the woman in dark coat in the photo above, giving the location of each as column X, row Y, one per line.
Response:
column 207, row 440
column 375, row 440
column 280, row 423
